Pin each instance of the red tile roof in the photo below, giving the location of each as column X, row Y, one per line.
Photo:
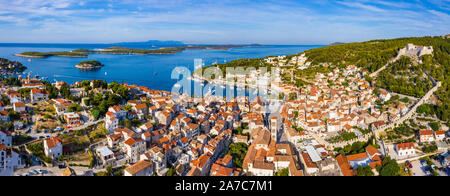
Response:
column 405, row 146
column 139, row 166
column 426, row 132
column 53, row 141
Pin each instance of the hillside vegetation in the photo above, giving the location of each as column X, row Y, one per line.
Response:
column 244, row 63
column 49, row 54
column 405, row 77
column 372, row 55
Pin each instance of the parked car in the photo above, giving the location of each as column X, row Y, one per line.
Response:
column 423, row 162
column 42, row 171
column 408, row 164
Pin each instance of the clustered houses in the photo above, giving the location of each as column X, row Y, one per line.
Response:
column 37, row 91
column 277, row 60
column 316, row 158
column 337, row 102
column 428, row 135
column 299, row 61
column 188, row 134
column 265, row 156
column 191, row 135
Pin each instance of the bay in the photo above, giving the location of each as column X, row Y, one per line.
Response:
column 153, row 71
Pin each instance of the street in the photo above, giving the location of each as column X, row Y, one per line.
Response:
column 417, row 169
column 54, row 171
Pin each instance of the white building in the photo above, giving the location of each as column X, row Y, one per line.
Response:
column 5, row 137
column 119, row 113
column 106, row 156
column 385, row 96
column 53, row 147
column 405, row 149
column 9, row 160
column 38, row 94
column 111, row 123
column 439, row 135
column 134, row 148
column 19, row 107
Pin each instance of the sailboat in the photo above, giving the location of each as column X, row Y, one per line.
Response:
column 106, row 73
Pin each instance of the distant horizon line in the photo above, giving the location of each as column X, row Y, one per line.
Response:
column 290, row 44
column 132, row 43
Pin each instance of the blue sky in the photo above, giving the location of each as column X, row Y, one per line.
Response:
column 220, row 21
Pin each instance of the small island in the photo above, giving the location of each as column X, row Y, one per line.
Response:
column 117, row 50
column 89, row 65
column 49, row 54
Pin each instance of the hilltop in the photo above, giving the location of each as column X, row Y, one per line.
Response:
column 153, row 43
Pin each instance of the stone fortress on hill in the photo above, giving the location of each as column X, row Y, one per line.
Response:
column 411, row 49
column 415, row 52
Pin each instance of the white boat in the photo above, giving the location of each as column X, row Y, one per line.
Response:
column 106, row 73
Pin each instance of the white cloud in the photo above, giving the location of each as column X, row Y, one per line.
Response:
column 361, row 6
column 213, row 21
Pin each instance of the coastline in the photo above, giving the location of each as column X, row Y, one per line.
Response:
column 27, row 56
column 87, row 68
column 46, row 56
column 52, row 69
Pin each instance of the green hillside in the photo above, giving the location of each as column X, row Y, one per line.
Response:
column 372, row 55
